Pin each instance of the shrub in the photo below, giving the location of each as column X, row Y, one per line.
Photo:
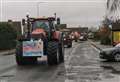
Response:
column 7, row 36
column 96, row 36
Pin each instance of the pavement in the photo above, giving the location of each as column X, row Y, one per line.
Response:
column 86, row 66
column 82, row 64
column 7, row 52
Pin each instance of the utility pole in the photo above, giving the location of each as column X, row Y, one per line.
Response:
column 38, row 7
column 55, row 15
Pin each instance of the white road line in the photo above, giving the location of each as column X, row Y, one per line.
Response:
column 67, row 80
column 95, row 49
column 94, row 67
column 71, row 54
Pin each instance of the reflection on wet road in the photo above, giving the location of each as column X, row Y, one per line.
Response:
column 40, row 72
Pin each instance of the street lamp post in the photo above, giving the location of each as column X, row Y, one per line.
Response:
column 38, row 7
column 55, row 15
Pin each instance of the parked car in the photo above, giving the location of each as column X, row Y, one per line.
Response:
column 67, row 41
column 111, row 54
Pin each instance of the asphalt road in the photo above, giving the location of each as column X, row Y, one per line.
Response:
column 82, row 64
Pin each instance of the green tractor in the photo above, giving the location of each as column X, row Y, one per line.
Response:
column 39, row 39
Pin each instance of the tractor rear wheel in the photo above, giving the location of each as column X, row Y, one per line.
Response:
column 53, row 53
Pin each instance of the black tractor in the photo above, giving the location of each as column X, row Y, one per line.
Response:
column 39, row 37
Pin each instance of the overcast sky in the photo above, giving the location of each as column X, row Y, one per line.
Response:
column 74, row 13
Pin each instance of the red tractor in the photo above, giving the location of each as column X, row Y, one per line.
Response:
column 41, row 38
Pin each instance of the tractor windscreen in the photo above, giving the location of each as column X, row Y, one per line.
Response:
column 41, row 24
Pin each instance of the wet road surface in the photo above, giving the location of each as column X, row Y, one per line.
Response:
column 85, row 66
column 82, row 64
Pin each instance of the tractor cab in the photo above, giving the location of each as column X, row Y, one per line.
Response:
column 42, row 23
column 39, row 27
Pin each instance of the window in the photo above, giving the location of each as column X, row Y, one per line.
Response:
column 41, row 24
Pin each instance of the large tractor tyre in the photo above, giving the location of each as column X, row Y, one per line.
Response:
column 20, row 60
column 53, row 53
column 61, row 51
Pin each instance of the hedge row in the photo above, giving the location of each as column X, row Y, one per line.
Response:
column 7, row 36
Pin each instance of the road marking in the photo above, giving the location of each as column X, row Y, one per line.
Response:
column 93, row 45
column 67, row 63
column 74, row 73
column 67, row 80
column 71, row 54
column 96, row 49
column 94, row 67
column 87, row 56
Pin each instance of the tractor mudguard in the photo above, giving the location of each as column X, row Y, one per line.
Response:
column 56, row 35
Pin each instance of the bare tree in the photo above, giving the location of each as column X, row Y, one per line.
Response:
column 113, row 5
column 113, row 9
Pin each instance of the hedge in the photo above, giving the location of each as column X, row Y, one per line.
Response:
column 7, row 36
